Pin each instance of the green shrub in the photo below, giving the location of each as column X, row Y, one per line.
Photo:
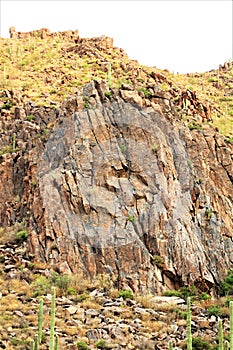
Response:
column 6, row 106
column 125, row 294
column 101, row 344
column 107, row 93
column 229, row 139
column 146, row 92
column 81, row 297
column 199, row 344
column 22, row 236
column 204, row 296
column 158, row 261
column 81, row 345
column 227, row 302
column 180, row 314
column 226, row 286
column 30, row 117
column 172, row 293
column 188, row 291
column 194, row 126
column 40, row 286
column 215, row 310
column 60, row 281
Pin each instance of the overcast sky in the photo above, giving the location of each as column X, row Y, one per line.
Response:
column 182, row 36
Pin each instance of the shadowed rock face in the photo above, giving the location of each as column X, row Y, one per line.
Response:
column 131, row 192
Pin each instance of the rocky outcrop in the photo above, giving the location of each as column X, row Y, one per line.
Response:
column 43, row 34
column 113, row 182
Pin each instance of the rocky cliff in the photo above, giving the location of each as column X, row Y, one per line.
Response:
column 112, row 181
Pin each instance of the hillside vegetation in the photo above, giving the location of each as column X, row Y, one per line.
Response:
column 45, row 71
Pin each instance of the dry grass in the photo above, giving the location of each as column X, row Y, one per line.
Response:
column 145, row 300
column 9, row 234
column 42, row 70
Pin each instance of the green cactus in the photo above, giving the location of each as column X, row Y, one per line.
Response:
column 40, row 320
column 189, row 331
column 32, row 345
column 36, row 346
column 52, row 319
column 220, row 335
column 56, row 343
column 170, row 345
column 231, row 325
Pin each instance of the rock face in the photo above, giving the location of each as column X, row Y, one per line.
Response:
column 124, row 188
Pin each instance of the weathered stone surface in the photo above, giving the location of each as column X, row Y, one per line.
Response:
column 116, row 186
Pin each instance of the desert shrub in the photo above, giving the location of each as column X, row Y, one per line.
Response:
column 215, row 310
column 145, row 91
column 204, row 296
column 40, row 286
column 125, row 294
column 172, row 293
column 81, row 345
column 22, row 236
column 188, row 291
column 158, row 260
column 199, row 344
column 226, row 286
column 81, row 297
column 180, row 313
column 101, row 344
column 60, row 281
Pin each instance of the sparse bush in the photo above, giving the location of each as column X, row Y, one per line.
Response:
column 158, row 261
column 81, row 345
column 125, row 294
column 60, row 281
column 101, row 344
column 199, row 344
column 83, row 296
column 6, row 106
column 41, row 286
column 172, row 293
column 22, row 236
column 146, row 92
column 215, row 310
column 204, row 296
column 226, row 286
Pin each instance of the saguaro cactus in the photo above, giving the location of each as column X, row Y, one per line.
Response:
column 52, row 320
column 189, row 331
column 40, row 320
column 220, row 335
column 231, row 325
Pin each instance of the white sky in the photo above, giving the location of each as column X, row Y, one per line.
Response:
column 182, row 36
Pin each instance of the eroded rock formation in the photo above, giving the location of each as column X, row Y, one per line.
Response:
column 122, row 187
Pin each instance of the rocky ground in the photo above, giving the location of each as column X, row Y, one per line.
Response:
column 94, row 312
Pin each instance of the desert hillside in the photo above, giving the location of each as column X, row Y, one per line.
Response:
column 116, row 188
